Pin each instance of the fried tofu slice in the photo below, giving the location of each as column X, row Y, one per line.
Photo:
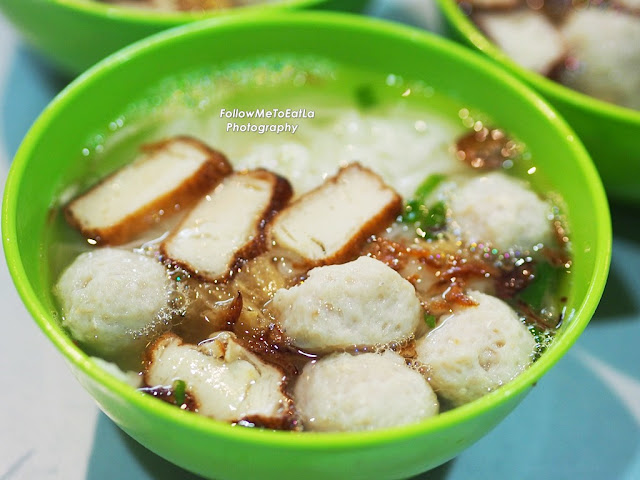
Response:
column 526, row 36
column 169, row 176
column 227, row 226
column 328, row 224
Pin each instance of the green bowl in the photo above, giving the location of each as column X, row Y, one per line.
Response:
column 53, row 147
column 75, row 34
column 608, row 131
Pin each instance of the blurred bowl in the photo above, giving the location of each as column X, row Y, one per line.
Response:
column 51, row 155
column 75, row 34
column 608, row 131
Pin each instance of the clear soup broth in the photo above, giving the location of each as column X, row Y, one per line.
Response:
column 304, row 119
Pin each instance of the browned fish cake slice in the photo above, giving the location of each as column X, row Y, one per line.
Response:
column 169, row 176
column 227, row 226
column 328, row 224
column 527, row 37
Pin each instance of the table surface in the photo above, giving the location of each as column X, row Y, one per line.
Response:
column 582, row 420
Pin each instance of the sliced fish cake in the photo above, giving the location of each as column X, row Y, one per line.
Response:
column 526, row 36
column 606, row 65
column 227, row 226
column 169, row 176
column 329, row 223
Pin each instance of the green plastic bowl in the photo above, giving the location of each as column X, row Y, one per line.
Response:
column 608, row 131
column 75, row 34
column 53, row 147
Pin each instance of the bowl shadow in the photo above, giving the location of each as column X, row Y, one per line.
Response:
column 619, row 300
column 116, row 455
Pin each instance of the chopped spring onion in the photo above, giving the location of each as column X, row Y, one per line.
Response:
column 179, row 392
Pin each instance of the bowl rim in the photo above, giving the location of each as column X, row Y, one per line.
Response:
column 309, row 441
column 473, row 35
column 164, row 19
